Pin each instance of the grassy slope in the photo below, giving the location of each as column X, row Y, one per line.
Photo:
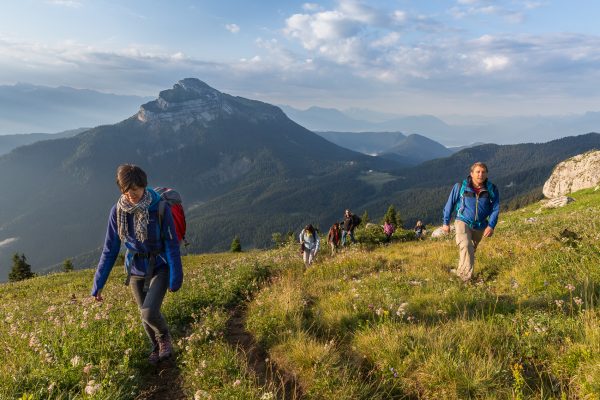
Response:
column 384, row 323
column 393, row 323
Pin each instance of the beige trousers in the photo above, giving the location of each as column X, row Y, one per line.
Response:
column 467, row 240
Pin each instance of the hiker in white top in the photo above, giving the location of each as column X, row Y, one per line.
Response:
column 309, row 241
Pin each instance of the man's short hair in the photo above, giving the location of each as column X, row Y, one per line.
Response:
column 479, row 164
column 129, row 175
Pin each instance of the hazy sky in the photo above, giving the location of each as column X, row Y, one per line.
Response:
column 436, row 57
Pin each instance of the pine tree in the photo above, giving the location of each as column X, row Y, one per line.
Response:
column 68, row 265
column 236, row 246
column 364, row 220
column 392, row 216
column 20, row 269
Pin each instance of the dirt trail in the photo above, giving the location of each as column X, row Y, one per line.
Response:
column 164, row 383
column 269, row 375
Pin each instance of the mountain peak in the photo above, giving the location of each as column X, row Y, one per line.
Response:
column 189, row 100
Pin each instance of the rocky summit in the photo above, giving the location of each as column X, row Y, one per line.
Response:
column 191, row 100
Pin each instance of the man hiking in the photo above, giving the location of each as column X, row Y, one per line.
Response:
column 477, row 203
column 350, row 223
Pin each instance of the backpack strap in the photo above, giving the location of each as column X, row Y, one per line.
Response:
column 461, row 193
column 490, row 189
column 162, row 204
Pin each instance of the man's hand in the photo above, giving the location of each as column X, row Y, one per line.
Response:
column 446, row 228
column 489, row 231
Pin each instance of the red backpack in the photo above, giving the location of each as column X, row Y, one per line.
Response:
column 173, row 198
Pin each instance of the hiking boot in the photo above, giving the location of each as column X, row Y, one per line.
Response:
column 154, row 358
column 165, row 347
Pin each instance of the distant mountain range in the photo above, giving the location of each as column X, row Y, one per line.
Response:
column 223, row 152
column 406, row 150
column 10, row 142
column 500, row 130
column 243, row 167
column 26, row 108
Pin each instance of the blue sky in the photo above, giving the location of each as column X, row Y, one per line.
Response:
column 440, row 57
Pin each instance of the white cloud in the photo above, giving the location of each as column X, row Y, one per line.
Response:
column 311, row 7
column 65, row 3
column 495, row 63
column 471, row 8
column 233, row 28
column 8, row 241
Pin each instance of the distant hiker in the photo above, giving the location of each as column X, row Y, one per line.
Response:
column 152, row 259
column 309, row 242
column 477, row 204
column 419, row 230
column 334, row 237
column 350, row 223
column 388, row 230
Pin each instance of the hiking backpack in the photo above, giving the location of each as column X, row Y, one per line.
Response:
column 173, row 198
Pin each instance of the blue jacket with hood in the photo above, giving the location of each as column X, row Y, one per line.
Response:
column 168, row 250
column 477, row 211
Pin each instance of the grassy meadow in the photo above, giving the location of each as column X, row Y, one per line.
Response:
column 374, row 322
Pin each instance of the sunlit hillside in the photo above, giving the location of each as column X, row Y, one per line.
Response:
column 374, row 322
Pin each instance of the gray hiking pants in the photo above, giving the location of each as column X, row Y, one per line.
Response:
column 467, row 240
column 149, row 304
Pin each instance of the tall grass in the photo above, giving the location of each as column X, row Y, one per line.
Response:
column 374, row 322
column 404, row 327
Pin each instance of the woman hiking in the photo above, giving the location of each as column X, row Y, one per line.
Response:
column 388, row 230
column 309, row 241
column 152, row 259
column 419, row 230
column 334, row 237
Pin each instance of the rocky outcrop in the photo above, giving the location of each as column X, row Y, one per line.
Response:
column 191, row 100
column 573, row 174
column 557, row 202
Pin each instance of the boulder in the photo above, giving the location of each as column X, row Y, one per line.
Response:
column 557, row 202
column 439, row 232
column 573, row 174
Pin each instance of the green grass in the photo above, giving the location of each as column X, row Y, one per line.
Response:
column 403, row 327
column 56, row 341
column 374, row 322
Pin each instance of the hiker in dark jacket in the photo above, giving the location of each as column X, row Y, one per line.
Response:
column 350, row 223
column 477, row 204
column 419, row 230
column 152, row 259
column 334, row 237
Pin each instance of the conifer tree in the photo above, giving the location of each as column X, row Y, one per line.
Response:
column 364, row 220
column 236, row 246
column 68, row 265
column 390, row 215
column 393, row 216
column 20, row 269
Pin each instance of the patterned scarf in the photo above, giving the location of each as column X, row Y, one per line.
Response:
column 140, row 216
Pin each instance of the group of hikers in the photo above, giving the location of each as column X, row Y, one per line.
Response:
column 339, row 233
column 337, row 236
column 142, row 221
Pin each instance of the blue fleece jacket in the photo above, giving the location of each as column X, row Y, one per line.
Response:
column 168, row 257
column 477, row 211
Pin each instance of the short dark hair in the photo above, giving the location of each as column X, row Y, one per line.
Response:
column 129, row 175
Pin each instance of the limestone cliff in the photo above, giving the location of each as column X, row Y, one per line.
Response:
column 573, row 174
